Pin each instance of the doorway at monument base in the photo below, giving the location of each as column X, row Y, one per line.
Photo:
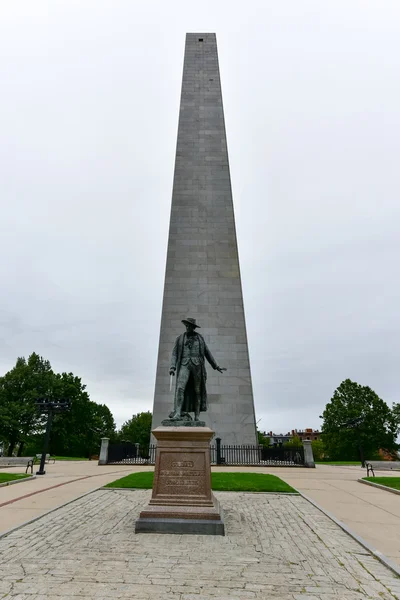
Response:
column 182, row 500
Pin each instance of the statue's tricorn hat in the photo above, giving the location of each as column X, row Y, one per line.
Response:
column 190, row 321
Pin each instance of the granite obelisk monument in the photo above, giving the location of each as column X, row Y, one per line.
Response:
column 202, row 280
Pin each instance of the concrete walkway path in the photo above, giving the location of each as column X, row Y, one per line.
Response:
column 371, row 513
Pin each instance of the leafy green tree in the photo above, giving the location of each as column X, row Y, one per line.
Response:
column 357, row 423
column 318, row 449
column 78, row 432
column 294, row 443
column 138, row 429
column 19, row 388
column 396, row 415
column 262, row 439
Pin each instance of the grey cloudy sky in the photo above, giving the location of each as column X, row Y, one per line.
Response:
column 89, row 98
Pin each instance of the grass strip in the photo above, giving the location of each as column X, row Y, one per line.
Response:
column 392, row 482
column 4, row 477
column 224, row 482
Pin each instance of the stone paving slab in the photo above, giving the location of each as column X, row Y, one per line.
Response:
column 275, row 547
column 372, row 514
column 64, row 481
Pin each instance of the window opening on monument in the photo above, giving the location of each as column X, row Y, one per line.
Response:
column 201, row 40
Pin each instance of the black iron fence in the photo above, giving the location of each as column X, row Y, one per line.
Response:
column 127, row 453
column 222, row 454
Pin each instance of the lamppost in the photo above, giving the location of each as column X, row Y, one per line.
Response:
column 49, row 407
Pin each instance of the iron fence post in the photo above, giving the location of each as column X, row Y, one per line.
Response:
column 218, row 442
column 103, row 457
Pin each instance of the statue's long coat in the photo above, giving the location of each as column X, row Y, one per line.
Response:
column 176, row 359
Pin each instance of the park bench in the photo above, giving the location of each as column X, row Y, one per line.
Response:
column 48, row 458
column 381, row 465
column 17, row 461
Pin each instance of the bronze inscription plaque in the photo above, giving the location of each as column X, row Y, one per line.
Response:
column 182, row 473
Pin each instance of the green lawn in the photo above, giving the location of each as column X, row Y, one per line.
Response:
column 392, row 482
column 249, row 482
column 4, row 477
column 227, row 482
column 339, row 462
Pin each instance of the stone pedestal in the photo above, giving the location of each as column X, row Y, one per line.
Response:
column 103, row 458
column 308, row 454
column 182, row 500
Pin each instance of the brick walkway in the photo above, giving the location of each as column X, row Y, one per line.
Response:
column 276, row 547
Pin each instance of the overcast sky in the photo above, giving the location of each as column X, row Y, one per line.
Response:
column 89, row 99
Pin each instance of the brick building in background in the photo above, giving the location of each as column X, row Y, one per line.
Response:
column 283, row 438
column 307, row 434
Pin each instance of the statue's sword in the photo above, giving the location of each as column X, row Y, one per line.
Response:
column 170, row 382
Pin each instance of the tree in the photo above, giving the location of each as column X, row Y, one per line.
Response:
column 262, row 439
column 318, row 449
column 138, row 429
column 19, row 388
column 294, row 443
column 77, row 432
column 396, row 415
column 357, row 423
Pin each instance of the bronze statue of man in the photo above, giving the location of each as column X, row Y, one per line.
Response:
column 187, row 360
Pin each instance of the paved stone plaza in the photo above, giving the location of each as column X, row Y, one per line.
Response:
column 276, row 547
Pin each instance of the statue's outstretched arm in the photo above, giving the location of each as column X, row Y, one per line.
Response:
column 211, row 359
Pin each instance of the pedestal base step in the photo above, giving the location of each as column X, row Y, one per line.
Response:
column 182, row 519
column 180, row 526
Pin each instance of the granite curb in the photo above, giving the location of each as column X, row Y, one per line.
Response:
column 380, row 486
column 12, row 482
column 395, row 568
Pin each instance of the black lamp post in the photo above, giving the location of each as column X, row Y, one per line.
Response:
column 49, row 407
